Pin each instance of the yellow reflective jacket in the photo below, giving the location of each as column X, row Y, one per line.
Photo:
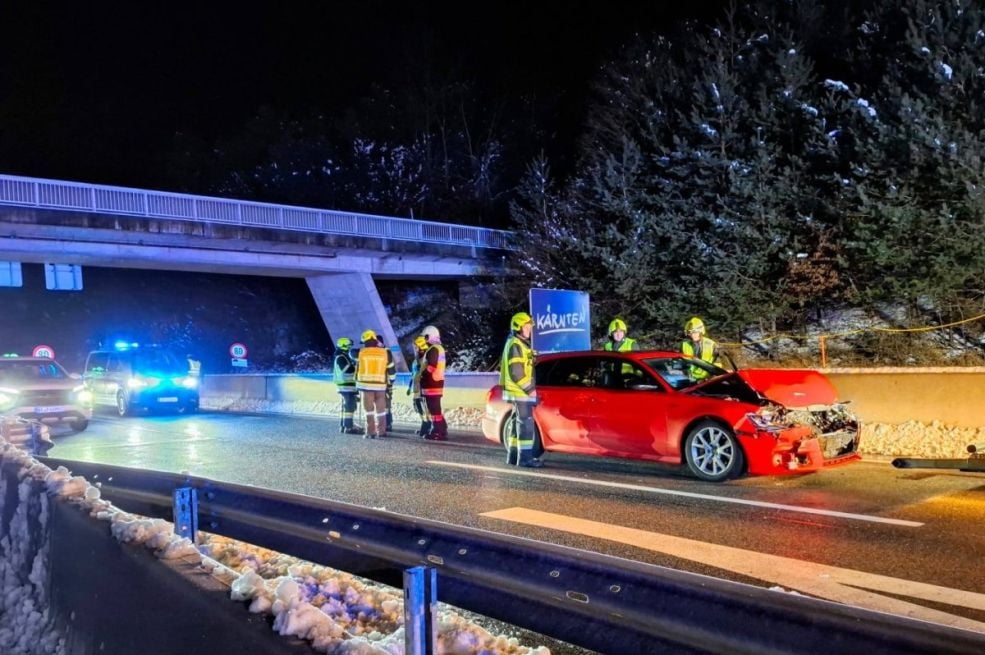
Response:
column 371, row 369
column 516, row 370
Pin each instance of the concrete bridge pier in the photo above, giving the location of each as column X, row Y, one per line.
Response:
column 349, row 303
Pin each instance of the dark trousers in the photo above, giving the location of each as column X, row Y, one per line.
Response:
column 422, row 411
column 347, row 408
column 521, row 443
column 438, row 425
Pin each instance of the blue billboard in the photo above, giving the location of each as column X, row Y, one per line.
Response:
column 561, row 320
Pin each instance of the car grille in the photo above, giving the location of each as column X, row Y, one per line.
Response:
column 45, row 398
column 838, row 444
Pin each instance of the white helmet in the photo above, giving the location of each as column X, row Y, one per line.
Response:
column 431, row 333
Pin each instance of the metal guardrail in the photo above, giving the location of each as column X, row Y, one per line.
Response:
column 122, row 201
column 607, row 604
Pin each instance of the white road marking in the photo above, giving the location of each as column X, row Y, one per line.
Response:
column 685, row 494
column 855, row 588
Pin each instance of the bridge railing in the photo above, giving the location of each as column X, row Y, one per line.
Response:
column 607, row 604
column 75, row 196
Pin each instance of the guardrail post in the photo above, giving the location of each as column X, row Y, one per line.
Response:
column 420, row 610
column 186, row 512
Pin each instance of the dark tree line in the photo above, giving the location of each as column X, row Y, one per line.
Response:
column 789, row 159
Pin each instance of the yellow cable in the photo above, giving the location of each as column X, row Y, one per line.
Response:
column 928, row 328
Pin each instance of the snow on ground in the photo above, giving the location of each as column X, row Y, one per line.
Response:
column 335, row 611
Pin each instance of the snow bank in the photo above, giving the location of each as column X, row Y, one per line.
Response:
column 335, row 611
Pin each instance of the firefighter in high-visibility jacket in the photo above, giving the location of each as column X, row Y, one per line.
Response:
column 699, row 346
column 371, row 379
column 391, row 370
column 433, row 383
column 516, row 377
column 344, row 375
column 618, row 341
column 414, row 385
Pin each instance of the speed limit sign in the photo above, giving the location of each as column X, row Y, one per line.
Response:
column 238, row 350
column 43, row 351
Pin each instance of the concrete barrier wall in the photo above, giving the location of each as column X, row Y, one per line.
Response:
column 889, row 395
column 893, row 396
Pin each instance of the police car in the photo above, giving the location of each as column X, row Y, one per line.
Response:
column 38, row 388
column 132, row 377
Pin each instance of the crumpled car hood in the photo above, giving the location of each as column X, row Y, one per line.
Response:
column 791, row 388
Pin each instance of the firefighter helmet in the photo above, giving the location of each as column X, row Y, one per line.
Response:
column 694, row 325
column 421, row 342
column 519, row 320
column 344, row 343
column 617, row 324
column 431, row 333
column 368, row 335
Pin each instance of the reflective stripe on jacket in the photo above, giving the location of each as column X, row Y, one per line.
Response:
column 516, row 370
column 371, row 369
column 344, row 371
column 433, row 371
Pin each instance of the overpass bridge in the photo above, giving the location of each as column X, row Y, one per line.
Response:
column 339, row 254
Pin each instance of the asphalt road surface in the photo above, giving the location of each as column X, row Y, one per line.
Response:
column 904, row 541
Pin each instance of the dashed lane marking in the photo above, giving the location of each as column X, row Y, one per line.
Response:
column 685, row 494
column 855, row 588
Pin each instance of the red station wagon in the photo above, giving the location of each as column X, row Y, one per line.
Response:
column 666, row 407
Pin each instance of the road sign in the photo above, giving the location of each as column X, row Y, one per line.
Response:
column 240, row 363
column 43, row 351
column 561, row 320
column 238, row 350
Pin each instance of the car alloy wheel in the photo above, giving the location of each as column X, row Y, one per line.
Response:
column 712, row 452
column 122, row 404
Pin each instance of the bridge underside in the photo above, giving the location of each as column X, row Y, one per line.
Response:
column 340, row 269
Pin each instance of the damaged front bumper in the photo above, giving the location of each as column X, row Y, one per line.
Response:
column 800, row 441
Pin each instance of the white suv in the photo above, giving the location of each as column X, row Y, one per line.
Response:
column 40, row 389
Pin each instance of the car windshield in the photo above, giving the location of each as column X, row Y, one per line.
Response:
column 22, row 371
column 683, row 372
column 158, row 361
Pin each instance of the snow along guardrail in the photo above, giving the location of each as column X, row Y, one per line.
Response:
column 604, row 603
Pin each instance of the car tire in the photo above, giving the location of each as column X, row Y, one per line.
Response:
column 79, row 425
column 712, row 452
column 123, row 404
column 508, row 426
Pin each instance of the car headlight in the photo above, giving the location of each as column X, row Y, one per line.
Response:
column 141, row 382
column 766, row 419
column 8, row 398
column 188, row 382
column 82, row 395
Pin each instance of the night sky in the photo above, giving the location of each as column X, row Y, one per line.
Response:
column 101, row 91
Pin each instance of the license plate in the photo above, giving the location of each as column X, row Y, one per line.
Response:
column 168, row 399
column 45, row 410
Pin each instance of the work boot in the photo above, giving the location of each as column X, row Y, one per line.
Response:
column 511, row 455
column 425, row 429
column 529, row 462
